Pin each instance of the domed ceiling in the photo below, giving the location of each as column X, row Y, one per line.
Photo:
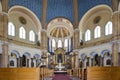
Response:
column 60, row 28
column 59, row 8
column 60, row 32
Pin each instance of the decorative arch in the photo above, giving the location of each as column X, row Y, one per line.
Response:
column 28, row 55
column 92, row 12
column 26, row 59
column 83, row 56
column 84, row 61
column 16, row 53
column 37, row 56
column 95, row 16
column 60, row 28
column 106, row 57
column 27, row 12
column 92, row 54
column 94, row 59
column 104, row 52
column 23, row 10
column 37, row 60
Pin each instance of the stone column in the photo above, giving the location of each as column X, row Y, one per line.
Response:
column 75, row 5
column 115, row 4
column 115, row 53
column 4, row 5
column 115, row 47
column 32, row 63
column 4, row 18
column 0, row 60
column 92, row 62
column 99, row 60
column 44, row 13
column 76, row 60
column 44, row 40
column 27, row 63
column 73, row 60
column 5, row 55
column 76, row 39
column 20, row 61
column 102, row 61
column 87, row 61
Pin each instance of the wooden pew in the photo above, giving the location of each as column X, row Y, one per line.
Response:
column 103, row 73
column 19, row 74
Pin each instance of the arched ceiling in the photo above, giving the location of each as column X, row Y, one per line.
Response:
column 60, row 28
column 57, row 8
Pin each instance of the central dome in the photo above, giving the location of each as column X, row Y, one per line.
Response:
column 60, row 32
column 60, row 28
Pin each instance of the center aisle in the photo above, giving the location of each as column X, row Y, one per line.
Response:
column 61, row 77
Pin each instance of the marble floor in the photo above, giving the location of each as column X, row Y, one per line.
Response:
column 61, row 77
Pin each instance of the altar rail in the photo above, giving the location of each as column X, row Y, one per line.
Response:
column 103, row 73
column 19, row 74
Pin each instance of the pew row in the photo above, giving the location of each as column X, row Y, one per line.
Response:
column 103, row 73
column 19, row 74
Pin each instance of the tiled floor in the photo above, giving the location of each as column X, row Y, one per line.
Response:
column 52, row 77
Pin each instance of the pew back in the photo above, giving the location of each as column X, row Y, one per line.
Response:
column 103, row 73
column 19, row 74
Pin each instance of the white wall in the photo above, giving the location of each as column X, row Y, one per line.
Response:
column 98, row 49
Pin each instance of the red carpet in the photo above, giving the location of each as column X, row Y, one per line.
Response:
column 61, row 77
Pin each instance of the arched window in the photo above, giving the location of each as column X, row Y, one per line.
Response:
column 31, row 36
column 53, row 43
column 97, row 32
column 66, row 43
column 59, row 43
column 11, row 63
column 22, row 33
column 0, row 7
column 87, row 35
column 119, row 6
column 11, row 29
column 108, row 28
column 24, row 60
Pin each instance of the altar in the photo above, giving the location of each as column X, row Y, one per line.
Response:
column 60, row 69
column 60, row 72
column 60, row 61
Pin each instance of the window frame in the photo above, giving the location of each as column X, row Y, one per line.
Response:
column 87, row 35
column 22, row 33
column 11, row 29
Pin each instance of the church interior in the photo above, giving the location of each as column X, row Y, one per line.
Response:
column 59, row 39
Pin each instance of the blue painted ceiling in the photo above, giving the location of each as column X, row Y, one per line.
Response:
column 62, row 8
column 85, row 5
column 59, row 8
column 33, row 5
